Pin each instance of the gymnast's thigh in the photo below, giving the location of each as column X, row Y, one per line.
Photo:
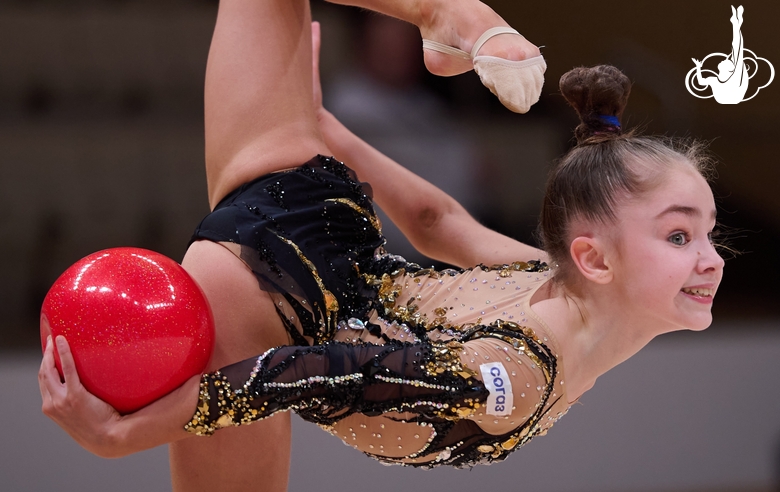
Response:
column 246, row 325
column 250, row 457
column 245, row 320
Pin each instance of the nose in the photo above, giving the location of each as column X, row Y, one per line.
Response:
column 710, row 260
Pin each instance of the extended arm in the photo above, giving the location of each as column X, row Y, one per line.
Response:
column 435, row 224
column 325, row 383
column 701, row 80
column 322, row 383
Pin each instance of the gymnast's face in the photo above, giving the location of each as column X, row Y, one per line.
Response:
column 665, row 261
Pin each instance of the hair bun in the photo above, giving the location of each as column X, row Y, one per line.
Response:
column 599, row 95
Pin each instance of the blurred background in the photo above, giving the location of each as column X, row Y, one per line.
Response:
column 101, row 145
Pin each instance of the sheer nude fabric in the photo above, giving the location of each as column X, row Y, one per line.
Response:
column 472, row 297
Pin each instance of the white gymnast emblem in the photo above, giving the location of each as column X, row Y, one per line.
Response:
column 735, row 70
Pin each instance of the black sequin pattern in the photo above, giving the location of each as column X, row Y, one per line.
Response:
column 312, row 239
column 306, row 233
column 328, row 382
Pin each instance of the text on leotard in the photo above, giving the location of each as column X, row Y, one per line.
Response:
column 497, row 382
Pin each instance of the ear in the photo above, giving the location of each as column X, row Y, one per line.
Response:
column 590, row 257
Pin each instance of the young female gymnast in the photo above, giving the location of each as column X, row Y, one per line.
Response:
column 409, row 365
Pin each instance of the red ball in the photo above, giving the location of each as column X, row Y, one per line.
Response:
column 138, row 325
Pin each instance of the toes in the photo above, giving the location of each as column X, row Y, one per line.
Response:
column 512, row 47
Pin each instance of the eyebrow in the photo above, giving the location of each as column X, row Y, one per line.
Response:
column 684, row 210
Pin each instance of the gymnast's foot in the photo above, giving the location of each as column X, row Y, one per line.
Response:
column 736, row 16
column 459, row 23
column 508, row 64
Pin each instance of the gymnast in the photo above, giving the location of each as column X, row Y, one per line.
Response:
column 411, row 366
column 731, row 83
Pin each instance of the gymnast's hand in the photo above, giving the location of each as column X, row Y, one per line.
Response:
column 96, row 425
column 90, row 421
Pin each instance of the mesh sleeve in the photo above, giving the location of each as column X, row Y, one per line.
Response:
column 325, row 383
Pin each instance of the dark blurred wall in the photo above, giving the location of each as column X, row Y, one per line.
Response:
column 101, row 127
column 101, row 138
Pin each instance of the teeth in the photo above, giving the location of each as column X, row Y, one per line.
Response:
column 698, row 292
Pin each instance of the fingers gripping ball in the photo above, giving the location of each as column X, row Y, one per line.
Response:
column 138, row 325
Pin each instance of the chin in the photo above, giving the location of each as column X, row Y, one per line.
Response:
column 701, row 327
column 687, row 324
column 701, row 323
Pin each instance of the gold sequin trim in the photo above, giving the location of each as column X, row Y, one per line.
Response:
column 331, row 303
column 233, row 409
column 506, row 269
column 372, row 218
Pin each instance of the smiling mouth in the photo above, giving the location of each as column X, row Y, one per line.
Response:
column 699, row 292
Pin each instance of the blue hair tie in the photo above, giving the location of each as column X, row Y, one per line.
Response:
column 612, row 120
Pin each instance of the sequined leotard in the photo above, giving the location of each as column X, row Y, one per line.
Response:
column 411, row 366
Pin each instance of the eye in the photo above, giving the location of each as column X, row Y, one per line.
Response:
column 678, row 239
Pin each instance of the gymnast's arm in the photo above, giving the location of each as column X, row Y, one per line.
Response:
column 324, row 383
column 704, row 82
column 95, row 425
column 329, row 381
column 435, row 223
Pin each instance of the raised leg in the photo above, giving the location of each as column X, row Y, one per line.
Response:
column 456, row 23
column 259, row 115
column 736, row 39
column 258, row 95
column 259, row 118
column 464, row 34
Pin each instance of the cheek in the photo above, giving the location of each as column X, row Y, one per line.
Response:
column 648, row 268
column 636, row 257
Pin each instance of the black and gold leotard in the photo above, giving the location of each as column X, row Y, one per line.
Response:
column 411, row 366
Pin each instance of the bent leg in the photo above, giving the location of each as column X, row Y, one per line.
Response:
column 252, row 458
column 256, row 457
